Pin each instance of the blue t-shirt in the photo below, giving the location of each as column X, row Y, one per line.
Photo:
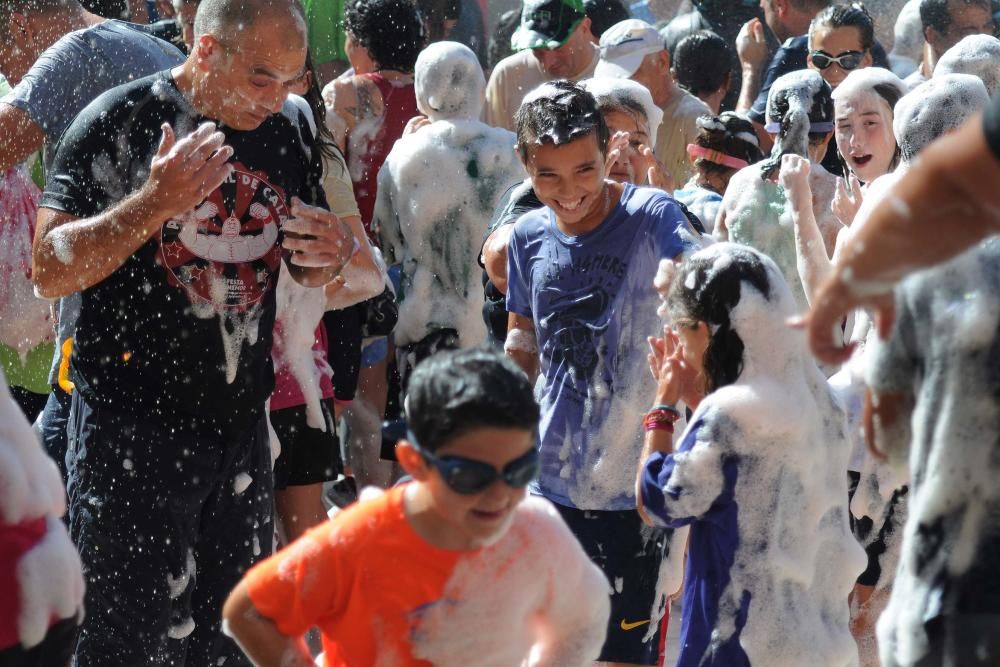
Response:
column 712, row 545
column 593, row 304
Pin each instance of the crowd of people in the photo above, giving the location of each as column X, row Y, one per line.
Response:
column 336, row 333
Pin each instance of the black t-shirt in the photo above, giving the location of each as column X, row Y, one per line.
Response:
column 183, row 329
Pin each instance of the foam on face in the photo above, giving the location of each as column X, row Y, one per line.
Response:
column 796, row 557
column 535, row 584
column 937, row 106
column 449, row 82
column 24, row 318
column 611, row 91
column 437, row 192
column 978, row 55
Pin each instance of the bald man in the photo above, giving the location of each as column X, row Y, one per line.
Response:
column 172, row 204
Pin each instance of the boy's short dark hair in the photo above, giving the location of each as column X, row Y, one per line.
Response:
column 454, row 392
column 557, row 113
column 603, row 14
column 390, row 30
column 701, row 62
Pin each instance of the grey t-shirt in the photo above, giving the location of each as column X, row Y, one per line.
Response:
column 68, row 76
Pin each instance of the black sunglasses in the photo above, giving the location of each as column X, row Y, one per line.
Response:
column 468, row 476
column 847, row 60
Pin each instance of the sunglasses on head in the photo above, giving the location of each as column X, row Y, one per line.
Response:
column 468, row 476
column 847, row 60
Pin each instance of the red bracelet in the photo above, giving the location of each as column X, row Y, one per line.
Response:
column 659, row 420
column 658, row 426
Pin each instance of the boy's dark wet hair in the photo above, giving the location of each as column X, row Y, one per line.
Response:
column 390, row 30
column 702, row 62
column 454, row 392
column 563, row 113
column 853, row 15
column 714, row 292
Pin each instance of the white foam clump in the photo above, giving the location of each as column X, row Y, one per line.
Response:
column 24, row 318
column 799, row 88
column 436, row 194
column 241, row 483
column 613, row 92
column 535, row 583
column 449, row 81
column 177, row 585
column 908, row 42
column 978, row 55
column 935, row 107
column 182, row 629
column 299, row 312
column 780, row 420
column 863, row 81
column 952, row 319
column 49, row 575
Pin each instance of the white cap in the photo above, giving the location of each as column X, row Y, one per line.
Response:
column 623, row 47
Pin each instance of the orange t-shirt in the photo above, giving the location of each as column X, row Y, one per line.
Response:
column 363, row 579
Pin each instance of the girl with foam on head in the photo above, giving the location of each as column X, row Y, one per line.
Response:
column 725, row 144
column 758, row 474
column 863, row 113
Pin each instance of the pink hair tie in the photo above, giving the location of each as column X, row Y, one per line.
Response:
column 694, row 150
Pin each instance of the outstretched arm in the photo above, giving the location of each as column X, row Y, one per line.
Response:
column 947, row 202
column 71, row 254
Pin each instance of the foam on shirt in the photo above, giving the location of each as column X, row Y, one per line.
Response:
column 796, row 559
column 449, row 82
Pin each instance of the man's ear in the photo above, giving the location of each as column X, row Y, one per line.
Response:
column 20, row 30
column 411, row 461
column 586, row 27
column 207, row 47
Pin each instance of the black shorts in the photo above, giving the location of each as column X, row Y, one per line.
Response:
column 343, row 334
column 629, row 553
column 308, row 455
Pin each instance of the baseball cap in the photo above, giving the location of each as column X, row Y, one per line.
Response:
column 546, row 24
column 624, row 45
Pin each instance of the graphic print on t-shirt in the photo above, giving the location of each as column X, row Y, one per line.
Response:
column 225, row 251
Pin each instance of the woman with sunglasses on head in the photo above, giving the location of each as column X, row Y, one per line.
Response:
column 841, row 39
column 456, row 566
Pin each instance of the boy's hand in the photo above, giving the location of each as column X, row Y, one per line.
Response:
column 657, row 174
column 751, row 44
column 415, row 124
column 617, row 147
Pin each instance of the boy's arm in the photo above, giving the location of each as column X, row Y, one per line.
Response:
column 258, row 637
column 522, row 345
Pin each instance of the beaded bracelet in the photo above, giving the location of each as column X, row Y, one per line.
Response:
column 659, row 420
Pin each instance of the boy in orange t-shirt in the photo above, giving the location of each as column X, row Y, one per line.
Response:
column 453, row 568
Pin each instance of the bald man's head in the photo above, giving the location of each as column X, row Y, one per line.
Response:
column 226, row 20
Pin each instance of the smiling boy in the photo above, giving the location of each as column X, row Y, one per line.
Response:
column 453, row 568
column 581, row 301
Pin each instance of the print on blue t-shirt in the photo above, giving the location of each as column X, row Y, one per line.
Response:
column 593, row 304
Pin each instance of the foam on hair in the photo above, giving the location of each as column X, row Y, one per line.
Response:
column 935, row 107
column 978, row 55
column 625, row 93
column 449, row 81
column 796, row 101
column 865, row 80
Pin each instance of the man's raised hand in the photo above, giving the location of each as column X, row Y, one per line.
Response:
column 185, row 171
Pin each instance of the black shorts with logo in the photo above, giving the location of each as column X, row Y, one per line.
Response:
column 308, row 455
column 629, row 553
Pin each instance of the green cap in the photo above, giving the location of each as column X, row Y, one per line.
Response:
column 547, row 24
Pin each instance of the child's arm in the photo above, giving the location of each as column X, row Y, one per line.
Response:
column 259, row 637
column 810, row 249
column 522, row 345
